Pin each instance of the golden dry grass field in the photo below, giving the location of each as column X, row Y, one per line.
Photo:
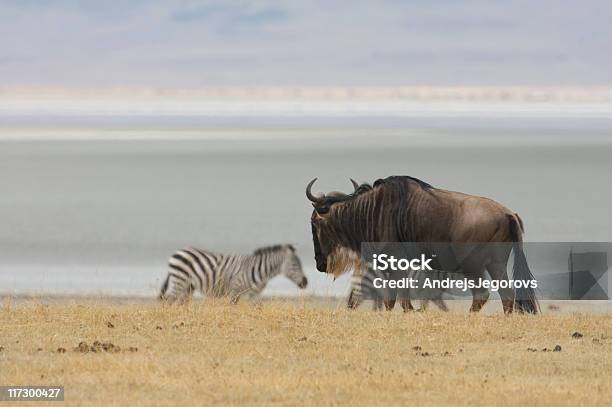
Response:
column 290, row 353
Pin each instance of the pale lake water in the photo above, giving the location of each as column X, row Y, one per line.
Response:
column 99, row 211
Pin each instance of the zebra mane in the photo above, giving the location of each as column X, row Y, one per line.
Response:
column 273, row 248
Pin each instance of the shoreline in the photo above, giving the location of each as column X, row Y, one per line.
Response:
column 493, row 306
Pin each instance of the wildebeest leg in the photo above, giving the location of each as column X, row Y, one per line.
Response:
column 480, row 297
column 498, row 272
column 475, row 270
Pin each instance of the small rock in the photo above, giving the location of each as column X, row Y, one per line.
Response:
column 159, row 328
column 425, row 354
column 1, row 348
column 577, row 335
column 557, row 348
column 302, row 339
column 110, row 324
column 39, row 350
column 133, row 349
column 417, row 348
column 109, row 347
column 82, row 347
column 532, row 349
column 545, row 350
column 61, row 350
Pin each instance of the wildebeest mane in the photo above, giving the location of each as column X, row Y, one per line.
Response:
column 395, row 181
column 401, row 179
column 377, row 213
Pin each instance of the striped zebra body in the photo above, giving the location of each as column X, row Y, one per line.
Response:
column 363, row 288
column 233, row 275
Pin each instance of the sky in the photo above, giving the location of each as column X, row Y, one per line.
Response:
column 183, row 44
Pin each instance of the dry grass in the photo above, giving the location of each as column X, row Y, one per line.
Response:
column 285, row 353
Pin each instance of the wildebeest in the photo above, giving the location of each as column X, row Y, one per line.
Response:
column 406, row 209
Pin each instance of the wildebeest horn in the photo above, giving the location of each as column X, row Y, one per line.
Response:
column 311, row 197
column 355, row 184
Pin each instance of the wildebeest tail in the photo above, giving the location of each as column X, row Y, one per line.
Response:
column 525, row 297
column 164, row 288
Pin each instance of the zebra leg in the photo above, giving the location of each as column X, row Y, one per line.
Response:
column 441, row 304
column 174, row 289
column 404, row 297
column 234, row 298
column 237, row 292
column 189, row 295
column 378, row 298
column 164, row 288
column 354, row 300
column 390, row 296
column 377, row 304
column 253, row 294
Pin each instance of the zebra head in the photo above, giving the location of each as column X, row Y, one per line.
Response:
column 292, row 267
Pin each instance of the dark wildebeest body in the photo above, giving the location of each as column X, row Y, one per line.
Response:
column 405, row 209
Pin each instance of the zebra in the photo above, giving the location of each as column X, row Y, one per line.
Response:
column 362, row 287
column 222, row 275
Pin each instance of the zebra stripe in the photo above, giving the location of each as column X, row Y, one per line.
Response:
column 363, row 288
column 217, row 275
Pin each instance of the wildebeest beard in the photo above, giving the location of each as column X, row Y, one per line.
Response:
column 347, row 221
column 334, row 260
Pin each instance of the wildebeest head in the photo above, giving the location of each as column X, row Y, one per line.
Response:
column 331, row 255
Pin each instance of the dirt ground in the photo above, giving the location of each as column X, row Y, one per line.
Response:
column 283, row 352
